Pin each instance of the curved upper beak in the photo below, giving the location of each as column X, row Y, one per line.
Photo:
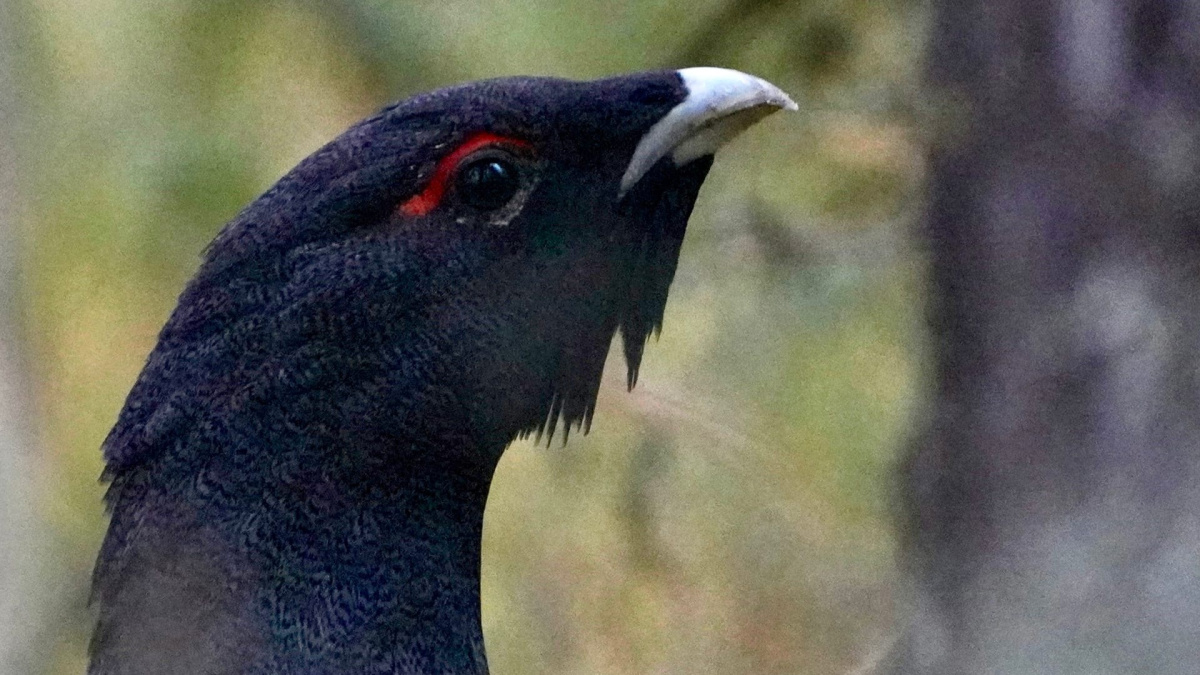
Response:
column 720, row 104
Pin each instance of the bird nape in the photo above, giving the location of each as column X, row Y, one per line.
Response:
column 298, row 477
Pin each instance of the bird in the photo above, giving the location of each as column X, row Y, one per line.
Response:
column 298, row 476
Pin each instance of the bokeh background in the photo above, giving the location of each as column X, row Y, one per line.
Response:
column 734, row 514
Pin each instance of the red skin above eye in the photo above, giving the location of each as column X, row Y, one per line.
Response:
column 428, row 199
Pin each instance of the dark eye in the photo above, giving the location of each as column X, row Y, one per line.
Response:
column 487, row 184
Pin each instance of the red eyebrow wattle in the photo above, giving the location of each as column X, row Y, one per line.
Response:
column 428, row 199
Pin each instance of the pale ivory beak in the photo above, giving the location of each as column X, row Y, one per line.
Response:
column 721, row 103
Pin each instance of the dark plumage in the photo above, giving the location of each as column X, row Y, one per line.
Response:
column 299, row 475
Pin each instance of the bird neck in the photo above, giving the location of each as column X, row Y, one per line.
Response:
column 316, row 568
column 386, row 580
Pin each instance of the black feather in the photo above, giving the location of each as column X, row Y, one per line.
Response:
column 299, row 474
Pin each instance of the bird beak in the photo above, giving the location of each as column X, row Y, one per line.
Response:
column 720, row 104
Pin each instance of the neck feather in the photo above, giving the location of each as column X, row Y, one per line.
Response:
column 319, row 564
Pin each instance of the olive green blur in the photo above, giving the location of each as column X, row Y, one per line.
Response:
column 731, row 515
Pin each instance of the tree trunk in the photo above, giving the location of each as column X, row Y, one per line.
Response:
column 1055, row 495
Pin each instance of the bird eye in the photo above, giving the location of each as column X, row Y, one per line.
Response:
column 487, row 184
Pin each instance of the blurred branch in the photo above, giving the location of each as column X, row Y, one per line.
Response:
column 397, row 58
column 710, row 43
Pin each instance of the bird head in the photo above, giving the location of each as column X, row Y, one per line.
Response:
column 300, row 472
column 455, row 265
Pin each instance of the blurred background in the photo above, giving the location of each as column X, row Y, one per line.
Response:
column 734, row 514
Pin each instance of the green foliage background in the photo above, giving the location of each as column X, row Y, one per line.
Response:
column 734, row 513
